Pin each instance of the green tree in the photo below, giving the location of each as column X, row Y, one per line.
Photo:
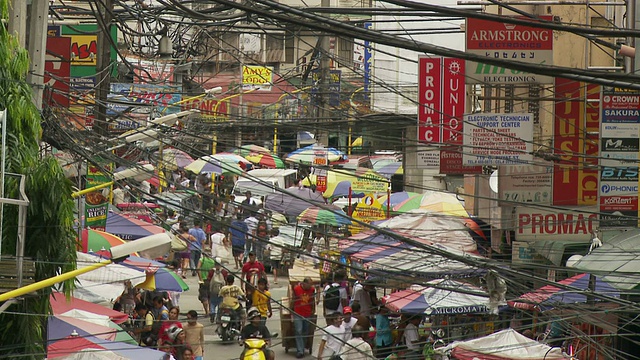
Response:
column 50, row 238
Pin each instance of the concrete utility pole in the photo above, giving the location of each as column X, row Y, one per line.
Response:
column 636, row 21
column 18, row 21
column 103, row 68
column 37, row 48
column 323, row 86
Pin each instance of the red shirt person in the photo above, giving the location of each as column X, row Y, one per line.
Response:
column 303, row 304
column 252, row 270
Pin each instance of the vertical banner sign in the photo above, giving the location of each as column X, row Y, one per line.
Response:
column 367, row 63
column 620, row 143
column 497, row 40
column 429, row 99
column 576, row 125
column 453, row 106
column 97, row 205
column 57, row 71
column 320, row 164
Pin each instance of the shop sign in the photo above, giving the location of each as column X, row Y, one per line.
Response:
column 498, row 139
column 576, row 134
column 57, row 71
column 159, row 97
column 368, row 210
column 497, row 40
column 84, row 49
column 257, row 77
column 207, row 108
column 429, row 99
column 526, row 183
column 152, row 71
column 428, row 159
column 96, row 204
column 522, row 252
column 534, row 224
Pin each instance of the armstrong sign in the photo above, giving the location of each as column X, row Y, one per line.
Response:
column 534, row 224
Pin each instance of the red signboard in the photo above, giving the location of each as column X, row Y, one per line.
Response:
column 618, row 203
column 575, row 177
column 321, row 183
column 57, row 71
column 492, row 35
column 429, row 99
column 453, row 99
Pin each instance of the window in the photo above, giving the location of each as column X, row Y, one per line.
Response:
column 345, row 51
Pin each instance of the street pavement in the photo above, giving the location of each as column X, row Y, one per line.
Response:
column 214, row 349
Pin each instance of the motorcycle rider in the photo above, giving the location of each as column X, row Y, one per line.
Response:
column 230, row 298
column 256, row 330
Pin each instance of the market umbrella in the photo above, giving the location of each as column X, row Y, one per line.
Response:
column 292, row 201
column 425, row 264
column 362, row 181
column 549, row 296
column 210, row 164
column 128, row 228
column 245, row 150
column 231, row 157
column 58, row 327
column 396, row 198
column 504, row 344
column 449, row 298
column 60, row 305
column 329, row 215
column 618, row 258
column 174, row 159
column 306, row 154
column 265, row 160
column 162, row 279
column 434, row 201
column 105, row 282
column 71, row 346
column 391, row 169
column 445, row 230
column 94, row 240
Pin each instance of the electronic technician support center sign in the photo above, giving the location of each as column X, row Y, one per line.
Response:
column 498, row 139
column 619, row 146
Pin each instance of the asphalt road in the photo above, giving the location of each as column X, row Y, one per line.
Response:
column 214, row 349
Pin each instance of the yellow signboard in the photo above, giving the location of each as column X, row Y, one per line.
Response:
column 84, row 49
column 257, row 77
column 368, row 210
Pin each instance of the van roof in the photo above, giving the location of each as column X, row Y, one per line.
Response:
column 270, row 172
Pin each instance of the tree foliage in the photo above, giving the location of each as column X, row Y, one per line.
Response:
column 50, row 237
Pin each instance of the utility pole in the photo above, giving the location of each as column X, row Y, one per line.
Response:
column 636, row 21
column 37, row 48
column 18, row 21
column 323, row 86
column 103, row 65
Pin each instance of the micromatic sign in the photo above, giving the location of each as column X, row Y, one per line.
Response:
column 546, row 225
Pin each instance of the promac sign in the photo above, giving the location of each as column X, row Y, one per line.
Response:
column 533, row 224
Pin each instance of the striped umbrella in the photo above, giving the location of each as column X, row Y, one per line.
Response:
column 245, row 150
column 396, row 198
column 391, row 169
column 434, row 201
column 211, row 164
column 305, row 155
column 333, row 216
column 174, row 159
column 94, row 240
column 162, row 279
column 265, row 160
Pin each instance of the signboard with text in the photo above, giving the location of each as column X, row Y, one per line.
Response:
column 257, row 77
column 497, row 40
column 619, row 146
column 536, row 224
column 429, row 99
column 575, row 140
column 527, row 183
column 57, row 71
column 498, row 139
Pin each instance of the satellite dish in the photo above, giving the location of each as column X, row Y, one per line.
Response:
column 493, row 181
column 571, row 262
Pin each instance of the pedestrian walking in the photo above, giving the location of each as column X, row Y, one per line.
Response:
column 238, row 234
column 304, row 306
column 194, row 334
column 195, row 247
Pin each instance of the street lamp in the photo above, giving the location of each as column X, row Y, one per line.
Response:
column 151, row 246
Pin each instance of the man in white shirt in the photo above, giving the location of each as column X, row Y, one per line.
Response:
column 252, row 224
column 412, row 338
column 276, row 242
column 332, row 338
column 348, row 322
column 357, row 347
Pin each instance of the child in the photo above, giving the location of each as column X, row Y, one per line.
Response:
column 332, row 337
column 261, row 299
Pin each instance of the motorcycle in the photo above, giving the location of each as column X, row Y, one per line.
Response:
column 254, row 349
column 230, row 324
